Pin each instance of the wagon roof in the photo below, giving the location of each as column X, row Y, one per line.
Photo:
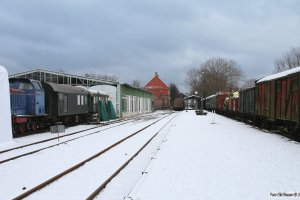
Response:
column 217, row 94
column 211, row 96
column 279, row 75
column 62, row 88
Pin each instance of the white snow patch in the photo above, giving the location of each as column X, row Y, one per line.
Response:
column 5, row 116
column 226, row 160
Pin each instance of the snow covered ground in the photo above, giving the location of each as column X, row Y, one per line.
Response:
column 22, row 174
column 191, row 159
column 225, row 160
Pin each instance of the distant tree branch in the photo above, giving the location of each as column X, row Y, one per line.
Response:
column 101, row 76
column 288, row 61
column 214, row 75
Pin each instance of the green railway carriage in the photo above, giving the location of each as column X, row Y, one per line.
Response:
column 210, row 102
column 247, row 103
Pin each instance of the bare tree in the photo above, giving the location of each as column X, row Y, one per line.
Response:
column 101, row 76
column 288, row 61
column 193, row 79
column 214, row 75
column 174, row 93
column 136, row 83
column 248, row 83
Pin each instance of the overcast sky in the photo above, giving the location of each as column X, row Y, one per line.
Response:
column 133, row 39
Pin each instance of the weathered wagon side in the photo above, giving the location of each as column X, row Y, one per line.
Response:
column 247, row 103
column 210, row 102
column 220, row 100
column 277, row 100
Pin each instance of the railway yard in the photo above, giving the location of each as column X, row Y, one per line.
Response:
column 179, row 100
column 162, row 155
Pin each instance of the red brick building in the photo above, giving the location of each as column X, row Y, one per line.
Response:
column 160, row 92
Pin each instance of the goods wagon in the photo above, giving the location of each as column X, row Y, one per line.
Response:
column 247, row 103
column 277, row 99
column 210, row 102
column 231, row 104
column 179, row 104
column 220, row 98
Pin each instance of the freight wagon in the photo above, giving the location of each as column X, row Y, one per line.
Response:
column 277, row 100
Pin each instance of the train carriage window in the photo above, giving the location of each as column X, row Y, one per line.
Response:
column 78, row 100
column 61, row 97
column 81, row 101
column 14, row 85
column 36, row 85
column 65, row 103
column 294, row 84
column 25, row 86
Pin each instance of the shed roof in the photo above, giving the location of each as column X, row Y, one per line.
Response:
column 62, row 78
column 136, row 88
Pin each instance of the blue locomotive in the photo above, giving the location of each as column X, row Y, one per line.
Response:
column 36, row 105
column 27, row 104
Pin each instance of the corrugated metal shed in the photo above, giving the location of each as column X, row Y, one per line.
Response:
column 62, row 78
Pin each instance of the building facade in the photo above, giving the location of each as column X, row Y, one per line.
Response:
column 160, row 92
column 135, row 101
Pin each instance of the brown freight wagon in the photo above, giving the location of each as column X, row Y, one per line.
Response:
column 277, row 100
column 220, row 99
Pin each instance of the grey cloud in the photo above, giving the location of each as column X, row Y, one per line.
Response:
column 133, row 39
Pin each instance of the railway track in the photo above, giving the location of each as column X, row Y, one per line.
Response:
column 83, row 169
column 21, row 151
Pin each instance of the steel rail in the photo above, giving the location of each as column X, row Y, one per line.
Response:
column 103, row 185
column 58, row 176
column 41, row 149
column 54, row 138
column 57, row 144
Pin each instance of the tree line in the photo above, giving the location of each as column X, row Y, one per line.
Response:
column 221, row 74
column 217, row 74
